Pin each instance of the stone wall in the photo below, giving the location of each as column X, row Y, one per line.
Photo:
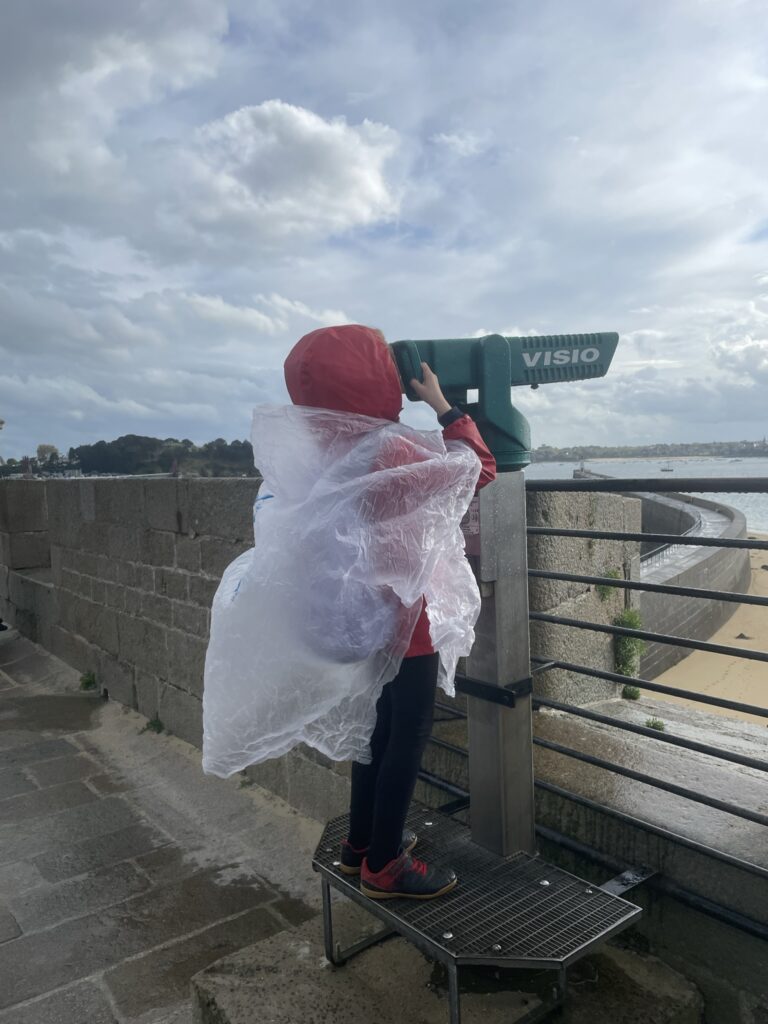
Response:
column 121, row 574
column 581, row 556
column 133, row 565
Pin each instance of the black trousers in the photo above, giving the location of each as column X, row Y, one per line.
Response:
column 382, row 790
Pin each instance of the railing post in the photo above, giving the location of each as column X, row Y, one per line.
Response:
column 500, row 740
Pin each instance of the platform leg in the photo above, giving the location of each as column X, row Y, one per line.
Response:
column 333, row 951
column 330, row 952
column 454, row 1004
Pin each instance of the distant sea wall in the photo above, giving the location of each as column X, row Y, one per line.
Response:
column 723, row 569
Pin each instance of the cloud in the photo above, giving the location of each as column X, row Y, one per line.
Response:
column 270, row 172
column 187, row 188
column 461, row 143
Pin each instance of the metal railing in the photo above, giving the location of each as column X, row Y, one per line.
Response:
column 540, row 664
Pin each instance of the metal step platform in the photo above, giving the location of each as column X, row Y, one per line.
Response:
column 517, row 912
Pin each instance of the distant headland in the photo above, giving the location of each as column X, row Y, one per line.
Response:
column 717, row 449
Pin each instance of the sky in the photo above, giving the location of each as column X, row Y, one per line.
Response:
column 187, row 188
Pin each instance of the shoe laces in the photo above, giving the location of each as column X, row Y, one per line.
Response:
column 419, row 866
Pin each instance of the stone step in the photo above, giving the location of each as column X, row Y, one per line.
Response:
column 286, row 979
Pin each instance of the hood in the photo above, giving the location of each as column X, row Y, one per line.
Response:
column 348, row 368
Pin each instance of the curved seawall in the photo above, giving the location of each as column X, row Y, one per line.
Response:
column 725, row 569
column 707, row 568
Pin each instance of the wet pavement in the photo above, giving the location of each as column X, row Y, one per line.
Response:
column 674, row 559
column 123, row 870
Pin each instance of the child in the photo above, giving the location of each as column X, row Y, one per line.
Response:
column 321, row 633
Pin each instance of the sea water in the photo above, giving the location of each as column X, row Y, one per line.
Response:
column 754, row 506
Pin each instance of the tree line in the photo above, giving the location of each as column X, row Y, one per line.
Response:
column 134, row 454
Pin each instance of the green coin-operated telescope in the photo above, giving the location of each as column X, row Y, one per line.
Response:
column 494, row 364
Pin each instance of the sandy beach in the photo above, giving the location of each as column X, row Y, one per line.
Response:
column 732, row 678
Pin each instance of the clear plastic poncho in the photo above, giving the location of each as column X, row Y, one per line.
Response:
column 357, row 519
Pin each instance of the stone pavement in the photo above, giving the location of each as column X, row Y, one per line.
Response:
column 125, row 873
column 123, row 869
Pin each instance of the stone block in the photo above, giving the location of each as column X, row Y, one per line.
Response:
column 74, row 650
column 190, row 618
column 79, row 858
column 67, row 611
column 96, row 624
column 187, row 553
column 120, row 501
column 201, row 590
column 157, row 609
column 23, row 506
column 145, row 578
column 125, row 574
column 157, row 548
column 142, row 644
column 13, row 782
column 186, row 661
column 57, row 564
column 35, row 604
column 132, row 601
column 124, row 543
column 113, row 594
column 94, row 538
column 44, row 802
column 223, row 508
column 78, row 896
column 172, row 583
column 84, row 562
column 63, row 500
column 106, row 568
column 4, row 582
column 164, row 504
column 88, row 501
column 216, row 554
column 9, row 927
column 77, row 584
column 117, row 678
column 181, row 713
column 147, row 693
column 25, row 550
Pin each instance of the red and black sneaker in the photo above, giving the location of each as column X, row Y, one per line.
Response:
column 406, row 877
column 352, row 859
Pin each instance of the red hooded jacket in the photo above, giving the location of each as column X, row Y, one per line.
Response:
column 351, row 369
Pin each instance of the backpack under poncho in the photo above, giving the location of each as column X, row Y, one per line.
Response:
column 357, row 519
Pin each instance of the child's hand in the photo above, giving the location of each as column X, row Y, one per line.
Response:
column 429, row 390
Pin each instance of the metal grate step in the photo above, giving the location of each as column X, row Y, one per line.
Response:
column 515, row 912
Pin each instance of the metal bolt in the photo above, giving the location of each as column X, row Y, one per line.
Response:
column 543, row 882
column 336, row 863
column 447, row 935
column 427, row 822
column 496, row 947
column 589, row 891
column 329, row 849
